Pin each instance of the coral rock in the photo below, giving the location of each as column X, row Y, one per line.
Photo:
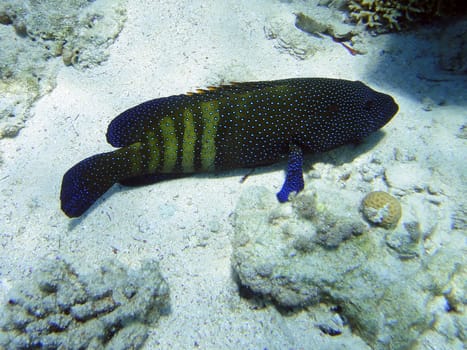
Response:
column 383, row 297
column 382, row 209
column 61, row 309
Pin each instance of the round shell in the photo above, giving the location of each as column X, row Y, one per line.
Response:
column 382, row 209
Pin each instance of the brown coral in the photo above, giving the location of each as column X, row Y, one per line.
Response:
column 389, row 15
column 382, row 209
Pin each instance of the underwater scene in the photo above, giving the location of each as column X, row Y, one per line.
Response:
column 263, row 174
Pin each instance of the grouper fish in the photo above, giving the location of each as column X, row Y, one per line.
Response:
column 231, row 126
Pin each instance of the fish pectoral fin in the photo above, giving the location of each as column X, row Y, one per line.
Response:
column 294, row 178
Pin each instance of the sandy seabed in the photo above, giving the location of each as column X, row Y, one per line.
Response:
column 176, row 46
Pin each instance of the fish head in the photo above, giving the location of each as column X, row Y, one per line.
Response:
column 374, row 109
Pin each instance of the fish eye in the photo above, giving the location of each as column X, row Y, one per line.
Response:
column 369, row 105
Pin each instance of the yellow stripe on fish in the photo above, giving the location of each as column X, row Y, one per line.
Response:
column 170, row 144
column 189, row 142
column 210, row 119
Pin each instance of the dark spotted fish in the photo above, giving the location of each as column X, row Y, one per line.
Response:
column 239, row 125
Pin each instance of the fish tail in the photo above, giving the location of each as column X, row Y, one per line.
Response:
column 89, row 179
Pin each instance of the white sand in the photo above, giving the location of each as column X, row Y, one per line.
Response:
column 172, row 47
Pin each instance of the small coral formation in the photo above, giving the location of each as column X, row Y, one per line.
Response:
column 61, row 309
column 330, row 229
column 288, row 39
column 389, row 15
column 382, row 209
column 318, row 27
column 405, row 243
column 324, row 228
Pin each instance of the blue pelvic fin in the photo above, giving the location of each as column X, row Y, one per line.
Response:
column 294, row 178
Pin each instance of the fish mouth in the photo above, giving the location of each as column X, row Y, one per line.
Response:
column 394, row 107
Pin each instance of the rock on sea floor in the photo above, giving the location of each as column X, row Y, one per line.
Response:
column 389, row 300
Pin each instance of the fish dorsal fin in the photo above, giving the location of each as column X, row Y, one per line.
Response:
column 211, row 88
column 202, row 91
column 233, row 86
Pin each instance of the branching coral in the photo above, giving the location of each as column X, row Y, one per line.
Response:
column 389, row 15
